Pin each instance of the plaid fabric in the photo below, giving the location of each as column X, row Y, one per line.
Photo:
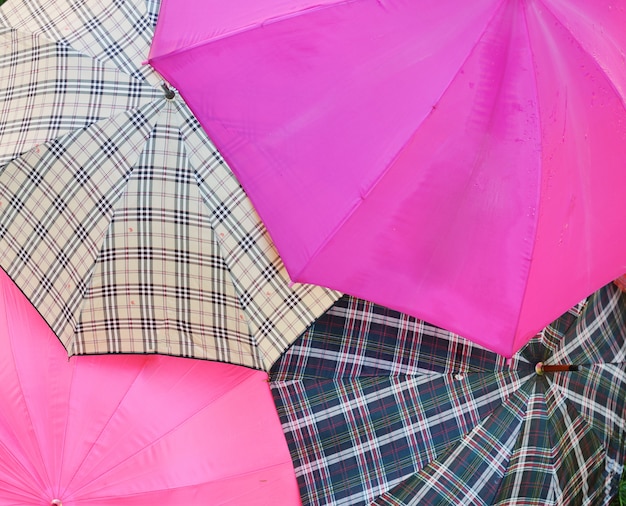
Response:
column 378, row 407
column 119, row 220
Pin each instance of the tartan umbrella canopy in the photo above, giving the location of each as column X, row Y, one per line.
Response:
column 381, row 408
column 118, row 218
column 132, row 429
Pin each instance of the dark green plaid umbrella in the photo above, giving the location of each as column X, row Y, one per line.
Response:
column 380, row 408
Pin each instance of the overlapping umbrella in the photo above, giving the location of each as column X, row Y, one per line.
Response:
column 132, row 429
column 461, row 161
column 381, row 408
column 119, row 220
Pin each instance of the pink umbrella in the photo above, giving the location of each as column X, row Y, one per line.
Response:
column 459, row 161
column 131, row 429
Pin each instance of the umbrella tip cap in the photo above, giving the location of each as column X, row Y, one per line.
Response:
column 169, row 93
column 56, row 502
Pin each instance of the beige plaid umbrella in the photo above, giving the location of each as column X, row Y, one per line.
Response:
column 119, row 220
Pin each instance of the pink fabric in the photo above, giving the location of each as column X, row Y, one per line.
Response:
column 131, row 430
column 459, row 161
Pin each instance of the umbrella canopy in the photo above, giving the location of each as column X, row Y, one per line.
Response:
column 131, row 429
column 459, row 161
column 381, row 408
column 119, row 220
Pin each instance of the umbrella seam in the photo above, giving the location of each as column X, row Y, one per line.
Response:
column 165, row 434
column 537, row 202
column 270, row 20
column 74, row 497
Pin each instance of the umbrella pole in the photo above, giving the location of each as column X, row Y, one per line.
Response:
column 541, row 368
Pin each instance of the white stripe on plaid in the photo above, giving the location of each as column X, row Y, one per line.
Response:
column 181, row 264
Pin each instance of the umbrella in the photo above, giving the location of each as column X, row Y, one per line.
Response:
column 381, row 408
column 131, row 429
column 119, row 220
column 459, row 161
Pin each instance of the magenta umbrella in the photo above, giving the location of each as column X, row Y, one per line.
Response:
column 131, row 429
column 459, row 161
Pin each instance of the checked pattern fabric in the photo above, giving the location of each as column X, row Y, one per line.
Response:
column 380, row 408
column 119, row 220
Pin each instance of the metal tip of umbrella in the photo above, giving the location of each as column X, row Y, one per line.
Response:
column 56, row 502
column 169, row 93
column 542, row 368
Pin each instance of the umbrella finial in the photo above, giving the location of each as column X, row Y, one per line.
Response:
column 56, row 502
column 169, row 93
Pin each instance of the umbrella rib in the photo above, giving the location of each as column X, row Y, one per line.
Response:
column 64, row 130
column 538, row 196
column 76, row 88
column 24, row 491
column 69, row 396
column 168, row 490
column 257, row 357
column 107, row 64
column 49, row 27
column 593, row 405
column 555, row 389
